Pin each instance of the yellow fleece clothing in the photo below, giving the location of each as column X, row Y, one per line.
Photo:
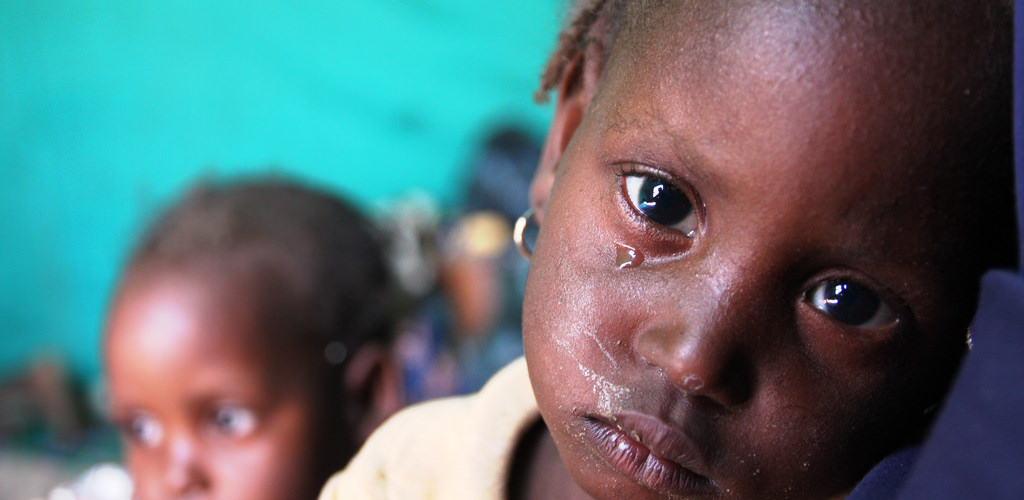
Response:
column 448, row 449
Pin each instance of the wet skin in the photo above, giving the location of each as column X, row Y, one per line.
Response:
column 206, row 411
column 743, row 354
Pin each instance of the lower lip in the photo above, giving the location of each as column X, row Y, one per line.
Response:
column 635, row 461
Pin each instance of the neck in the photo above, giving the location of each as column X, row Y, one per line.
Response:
column 537, row 469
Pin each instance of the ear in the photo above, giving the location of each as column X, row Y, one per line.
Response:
column 575, row 91
column 373, row 379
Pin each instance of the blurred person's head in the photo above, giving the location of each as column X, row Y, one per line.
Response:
column 247, row 344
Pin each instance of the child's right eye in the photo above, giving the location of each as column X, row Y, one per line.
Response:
column 144, row 429
column 661, row 202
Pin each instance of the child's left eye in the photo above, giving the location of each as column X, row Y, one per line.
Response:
column 661, row 202
column 233, row 421
column 851, row 304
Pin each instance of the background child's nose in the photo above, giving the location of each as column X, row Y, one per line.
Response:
column 699, row 363
column 185, row 474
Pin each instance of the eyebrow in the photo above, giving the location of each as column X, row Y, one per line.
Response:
column 686, row 159
column 697, row 165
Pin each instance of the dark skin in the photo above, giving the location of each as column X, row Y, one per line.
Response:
column 207, row 410
column 745, row 284
column 216, row 395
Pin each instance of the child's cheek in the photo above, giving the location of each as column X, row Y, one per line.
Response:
column 577, row 312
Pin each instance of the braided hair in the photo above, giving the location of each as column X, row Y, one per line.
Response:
column 588, row 22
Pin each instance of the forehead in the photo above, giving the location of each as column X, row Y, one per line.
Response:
column 177, row 326
column 817, row 104
column 864, row 68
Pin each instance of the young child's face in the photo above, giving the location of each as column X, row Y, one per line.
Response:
column 207, row 412
column 744, row 284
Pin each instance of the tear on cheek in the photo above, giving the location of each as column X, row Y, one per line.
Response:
column 627, row 257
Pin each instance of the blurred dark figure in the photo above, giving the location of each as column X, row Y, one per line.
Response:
column 481, row 274
column 46, row 399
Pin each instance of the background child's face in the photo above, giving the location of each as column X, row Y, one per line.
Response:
column 206, row 411
column 743, row 285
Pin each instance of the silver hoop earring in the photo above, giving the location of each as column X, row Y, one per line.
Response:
column 517, row 234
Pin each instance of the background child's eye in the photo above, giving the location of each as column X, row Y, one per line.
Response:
column 851, row 304
column 233, row 421
column 144, row 429
column 661, row 202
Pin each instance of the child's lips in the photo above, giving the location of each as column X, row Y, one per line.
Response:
column 651, row 453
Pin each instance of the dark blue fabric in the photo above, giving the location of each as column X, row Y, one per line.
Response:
column 976, row 448
column 886, row 478
column 1018, row 118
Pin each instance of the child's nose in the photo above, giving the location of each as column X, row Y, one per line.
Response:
column 698, row 362
column 185, row 474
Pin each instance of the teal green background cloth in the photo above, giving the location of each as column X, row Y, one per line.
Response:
column 110, row 108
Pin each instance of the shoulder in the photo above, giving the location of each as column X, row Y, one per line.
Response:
column 457, row 446
column 104, row 480
column 402, row 454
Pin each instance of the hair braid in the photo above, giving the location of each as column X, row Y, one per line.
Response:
column 583, row 18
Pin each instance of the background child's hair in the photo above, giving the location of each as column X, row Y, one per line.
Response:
column 324, row 261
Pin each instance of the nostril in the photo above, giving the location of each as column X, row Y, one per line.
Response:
column 699, row 365
column 177, row 477
column 186, row 480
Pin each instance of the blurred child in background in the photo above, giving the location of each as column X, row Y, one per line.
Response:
column 465, row 272
column 247, row 347
column 481, row 274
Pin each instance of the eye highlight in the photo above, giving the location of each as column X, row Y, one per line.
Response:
column 851, row 304
column 661, row 202
column 233, row 421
